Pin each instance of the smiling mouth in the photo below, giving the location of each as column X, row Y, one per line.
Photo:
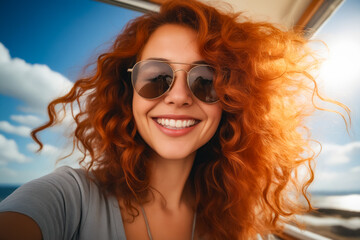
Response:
column 176, row 124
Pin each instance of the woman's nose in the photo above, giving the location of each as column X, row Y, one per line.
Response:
column 179, row 93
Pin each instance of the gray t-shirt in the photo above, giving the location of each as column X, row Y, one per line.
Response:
column 67, row 205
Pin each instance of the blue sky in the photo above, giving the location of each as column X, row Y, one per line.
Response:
column 44, row 46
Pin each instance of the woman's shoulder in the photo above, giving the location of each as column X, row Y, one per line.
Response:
column 76, row 184
column 64, row 180
column 65, row 203
column 65, row 186
column 67, row 174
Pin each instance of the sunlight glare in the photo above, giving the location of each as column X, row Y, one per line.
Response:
column 340, row 73
column 343, row 202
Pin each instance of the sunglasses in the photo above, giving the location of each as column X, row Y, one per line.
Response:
column 153, row 78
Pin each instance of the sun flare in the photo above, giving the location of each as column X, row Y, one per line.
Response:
column 340, row 73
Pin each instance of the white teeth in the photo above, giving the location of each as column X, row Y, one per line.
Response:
column 184, row 123
column 179, row 123
column 175, row 124
column 172, row 123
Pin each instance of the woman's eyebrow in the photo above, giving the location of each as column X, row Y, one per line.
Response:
column 160, row 59
column 167, row 60
column 201, row 62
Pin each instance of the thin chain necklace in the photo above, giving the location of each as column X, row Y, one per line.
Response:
column 148, row 227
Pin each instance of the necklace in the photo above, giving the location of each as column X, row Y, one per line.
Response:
column 148, row 227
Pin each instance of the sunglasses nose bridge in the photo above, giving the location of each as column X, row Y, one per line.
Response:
column 178, row 70
column 186, row 73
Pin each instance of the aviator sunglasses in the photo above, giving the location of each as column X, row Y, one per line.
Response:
column 153, row 78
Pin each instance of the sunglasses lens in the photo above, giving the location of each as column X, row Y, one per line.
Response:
column 201, row 83
column 151, row 79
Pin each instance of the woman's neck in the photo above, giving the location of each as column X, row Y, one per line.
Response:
column 169, row 178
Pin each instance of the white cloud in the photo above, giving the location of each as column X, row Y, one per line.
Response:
column 338, row 168
column 355, row 169
column 333, row 180
column 28, row 120
column 35, row 84
column 334, row 154
column 6, row 172
column 5, row 55
column 18, row 130
column 48, row 150
column 328, row 176
column 52, row 153
column 9, row 151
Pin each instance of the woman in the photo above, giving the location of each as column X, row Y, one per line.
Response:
column 192, row 127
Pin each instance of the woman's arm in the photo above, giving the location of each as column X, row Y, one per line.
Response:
column 14, row 226
column 47, row 208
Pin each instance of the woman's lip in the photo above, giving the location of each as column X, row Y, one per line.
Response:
column 174, row 132
column 176, row 117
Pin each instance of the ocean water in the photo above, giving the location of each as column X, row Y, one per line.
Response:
column 6, row 190
column 337, row 216
column 346, row 202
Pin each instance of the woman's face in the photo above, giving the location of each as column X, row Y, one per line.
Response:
column 195, row 121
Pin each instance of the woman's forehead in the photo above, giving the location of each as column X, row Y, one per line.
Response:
column 173, row 42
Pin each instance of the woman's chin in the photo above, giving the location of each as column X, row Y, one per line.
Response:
column 175, row 154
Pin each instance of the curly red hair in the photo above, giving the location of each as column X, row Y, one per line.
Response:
column 245, row 179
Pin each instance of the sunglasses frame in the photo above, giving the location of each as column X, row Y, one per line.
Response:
column 131, row 70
